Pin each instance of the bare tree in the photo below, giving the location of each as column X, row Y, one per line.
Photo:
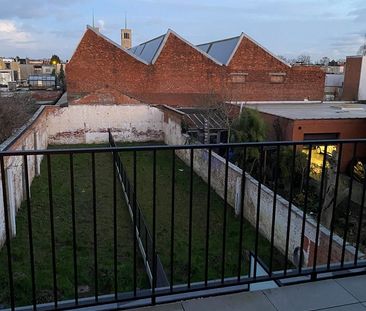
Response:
column 329, row 191
column 15, row 110
column 304, row 59
column 324, row 61
column 362, row 49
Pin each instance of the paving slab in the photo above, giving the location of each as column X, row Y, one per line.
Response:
column 165, row 307
column 255, row 301
column 356, row 285
column 352, row 307
column 310, row 296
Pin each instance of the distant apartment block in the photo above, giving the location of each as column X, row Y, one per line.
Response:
column 9, row 71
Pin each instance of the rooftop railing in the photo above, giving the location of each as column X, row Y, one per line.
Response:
column 126, row 226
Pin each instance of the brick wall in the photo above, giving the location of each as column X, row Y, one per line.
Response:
column 352, row 78
column 182, row 75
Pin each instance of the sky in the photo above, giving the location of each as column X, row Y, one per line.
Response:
column 40, row 28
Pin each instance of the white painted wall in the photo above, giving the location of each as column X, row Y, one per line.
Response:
column 72, row 125
column 173, row 135
column 32, row 136
column 362, row 86
column 89, row 124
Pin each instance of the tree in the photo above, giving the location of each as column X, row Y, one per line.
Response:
column 283, row 58
column 285, row 167
column 328, row 203
column 324, row 61
column 362, row 50
column 55, row 60
column 304, row 59
column 61, row 78
column 248, row 127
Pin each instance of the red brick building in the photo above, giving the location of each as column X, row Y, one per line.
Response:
column 170, row 70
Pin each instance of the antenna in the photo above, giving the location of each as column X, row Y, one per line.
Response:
column 125, row 20
column 93, row 17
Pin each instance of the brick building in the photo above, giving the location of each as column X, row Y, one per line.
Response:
column 316, row 121
column 355, row 78
column 170, row 70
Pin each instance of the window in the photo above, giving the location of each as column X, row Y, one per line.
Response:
column 7, row 65
column 126, row 35
column 277, row 77
column 238, row 77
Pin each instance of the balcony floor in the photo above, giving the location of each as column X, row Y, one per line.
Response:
column 346, row 294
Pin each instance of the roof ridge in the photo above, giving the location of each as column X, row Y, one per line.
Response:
column 98, row 33
column 170, row 31
column 226, row 39
column 147, row 41
column 235, row 48
column 266, row 50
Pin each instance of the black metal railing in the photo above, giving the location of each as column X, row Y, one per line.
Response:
column 301, row 218
column 143, row 235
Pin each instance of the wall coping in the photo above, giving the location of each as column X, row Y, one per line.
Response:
column 20, row 131
column 294, row 209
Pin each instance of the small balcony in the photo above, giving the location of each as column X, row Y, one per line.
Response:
column 124, row 226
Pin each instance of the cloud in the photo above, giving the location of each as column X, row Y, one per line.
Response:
column 359, row 15
column 25, row 9
column 101, row 24
column 11, row 33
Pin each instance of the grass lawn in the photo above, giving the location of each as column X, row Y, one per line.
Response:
column 104, row 206
column 181, row 232
column 63, row 234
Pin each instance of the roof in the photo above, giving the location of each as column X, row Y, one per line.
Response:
column 221, row 50
column 148, row 49
column 334, row 80
column 196, row 118
column 311, row 111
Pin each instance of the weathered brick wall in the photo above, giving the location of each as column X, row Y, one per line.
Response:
column 182, row 75
column 352, row 78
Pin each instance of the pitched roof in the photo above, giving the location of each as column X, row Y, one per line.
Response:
column 221, row 50
column 148, row 49
column 88, row 27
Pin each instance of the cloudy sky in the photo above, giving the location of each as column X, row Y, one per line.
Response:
column 39, row 28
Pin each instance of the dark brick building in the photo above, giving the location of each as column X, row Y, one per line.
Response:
column 170, row 70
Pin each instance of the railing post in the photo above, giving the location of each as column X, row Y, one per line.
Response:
column 7, row 233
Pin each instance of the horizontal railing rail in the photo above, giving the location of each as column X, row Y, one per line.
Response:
column 195, row 220
column 182, row 147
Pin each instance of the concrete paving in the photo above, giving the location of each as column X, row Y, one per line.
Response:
column 345, row 294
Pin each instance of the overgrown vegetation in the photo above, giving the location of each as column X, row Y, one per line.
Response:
column 15, row 111
column 278, row 170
